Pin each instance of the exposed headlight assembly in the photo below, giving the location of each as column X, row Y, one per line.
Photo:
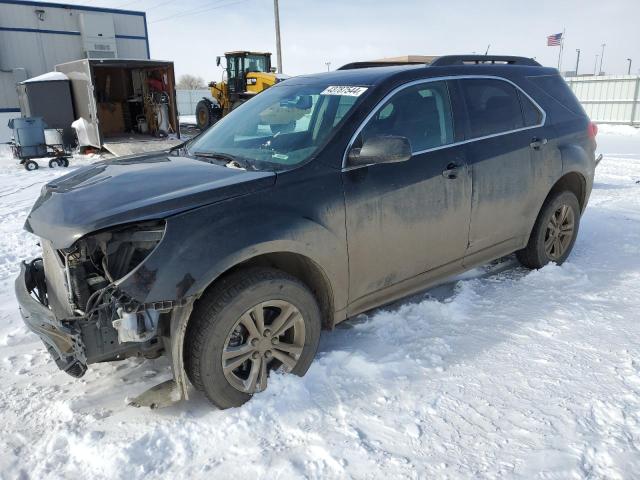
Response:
column 99, row 260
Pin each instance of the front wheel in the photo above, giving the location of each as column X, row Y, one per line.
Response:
column 204, row 115
column 30, row 165
column 554, row 232
column 251, row 323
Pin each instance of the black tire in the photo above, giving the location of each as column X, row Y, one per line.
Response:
column 65, row 162
column 204, row 117
column 56, row 162
column 30, row 165
column 216, row 314
column 535, row 254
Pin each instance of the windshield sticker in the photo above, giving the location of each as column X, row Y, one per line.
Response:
column 348, row 90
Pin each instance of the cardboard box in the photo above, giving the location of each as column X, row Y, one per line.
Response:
column 111, row 118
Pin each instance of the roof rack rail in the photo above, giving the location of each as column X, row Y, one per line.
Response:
column 376, row 63
column 448, row 60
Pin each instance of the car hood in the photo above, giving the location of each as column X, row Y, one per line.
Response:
column 132, row 189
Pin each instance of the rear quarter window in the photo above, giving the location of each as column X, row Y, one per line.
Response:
column 557, row 88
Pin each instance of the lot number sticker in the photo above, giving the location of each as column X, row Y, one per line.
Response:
column 347, row 90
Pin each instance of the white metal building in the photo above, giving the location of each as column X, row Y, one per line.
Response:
column 36, row 36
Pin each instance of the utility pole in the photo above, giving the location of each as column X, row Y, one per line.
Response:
column 276, row 12
column 601, row 58
column 561, row 51
column 629, row 69
column 328, row 64
column 595, row 67
column 577, row 60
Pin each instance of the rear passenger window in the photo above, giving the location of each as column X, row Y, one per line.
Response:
column 422, row 113
column 532, row 115
column 557, row 88
column 493, row 106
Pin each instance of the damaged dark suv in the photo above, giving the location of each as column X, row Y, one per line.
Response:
column 321, row 198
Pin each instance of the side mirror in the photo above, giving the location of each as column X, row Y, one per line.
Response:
column 381, row 149
column 217, row 61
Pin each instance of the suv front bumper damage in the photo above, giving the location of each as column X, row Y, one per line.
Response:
column 62, row 339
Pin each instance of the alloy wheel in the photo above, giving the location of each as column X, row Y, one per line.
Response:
column 268, row 336
column 559, row 232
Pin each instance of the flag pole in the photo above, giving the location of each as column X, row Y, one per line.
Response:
column 560, row 52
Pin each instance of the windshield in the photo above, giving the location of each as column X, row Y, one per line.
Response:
column 255, row 63
column 279, row 128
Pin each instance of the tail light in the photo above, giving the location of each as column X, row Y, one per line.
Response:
column 592, row 130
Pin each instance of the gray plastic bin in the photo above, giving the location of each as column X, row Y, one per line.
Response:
column 28, row 135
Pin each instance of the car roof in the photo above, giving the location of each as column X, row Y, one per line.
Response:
column 375, row 75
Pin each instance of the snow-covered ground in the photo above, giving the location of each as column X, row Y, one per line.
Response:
column 502, row 373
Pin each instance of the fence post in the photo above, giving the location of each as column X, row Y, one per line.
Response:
column 635, row 101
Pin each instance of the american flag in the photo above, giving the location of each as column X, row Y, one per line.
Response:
column 554, row 40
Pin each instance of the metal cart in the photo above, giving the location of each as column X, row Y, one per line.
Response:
column 29, row 143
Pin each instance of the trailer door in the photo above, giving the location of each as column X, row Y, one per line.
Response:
column 84, row 101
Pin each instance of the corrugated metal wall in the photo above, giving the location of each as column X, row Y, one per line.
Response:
column 609, row 99
column 37, row 36
column 188, row 99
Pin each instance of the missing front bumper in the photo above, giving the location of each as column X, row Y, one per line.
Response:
column 63, row 341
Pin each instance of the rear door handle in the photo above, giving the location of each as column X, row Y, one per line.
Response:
column 536, row 143
column 451, row 172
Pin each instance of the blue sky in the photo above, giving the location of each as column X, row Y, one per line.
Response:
column 315, row 32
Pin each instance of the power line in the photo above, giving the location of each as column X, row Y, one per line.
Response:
column 126, row 4
column 197, row 10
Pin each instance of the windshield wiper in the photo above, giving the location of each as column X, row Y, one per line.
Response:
column 226, row 158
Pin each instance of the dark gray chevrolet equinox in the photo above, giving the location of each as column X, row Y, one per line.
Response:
column 323, row 197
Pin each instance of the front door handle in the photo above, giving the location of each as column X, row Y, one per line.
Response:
column 451, row 172
column 536, row 143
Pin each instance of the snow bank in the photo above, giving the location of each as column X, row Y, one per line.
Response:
column 501, row 373
column 623, row 130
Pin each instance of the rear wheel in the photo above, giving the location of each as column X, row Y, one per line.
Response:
column 554, row 233
column 251, row 323
column 56, row 162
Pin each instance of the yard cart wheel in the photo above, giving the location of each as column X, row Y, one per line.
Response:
column 56, row 162
column 554, row 233
column 65, row 162
column 30, row 165
column 251, row 323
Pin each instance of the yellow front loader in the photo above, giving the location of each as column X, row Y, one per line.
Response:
column 246, row 74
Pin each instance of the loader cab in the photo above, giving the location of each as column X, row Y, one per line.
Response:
column 239, row 64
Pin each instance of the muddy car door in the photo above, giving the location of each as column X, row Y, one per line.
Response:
column 507, row 154
column 406, row 220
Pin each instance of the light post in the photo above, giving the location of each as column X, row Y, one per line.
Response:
column 629, row 69
column 276, row 12
column 601, row 58
column 577, row 60
column 328, row 64
column 595, row 67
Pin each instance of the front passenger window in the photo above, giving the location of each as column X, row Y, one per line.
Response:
column 422, row 113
